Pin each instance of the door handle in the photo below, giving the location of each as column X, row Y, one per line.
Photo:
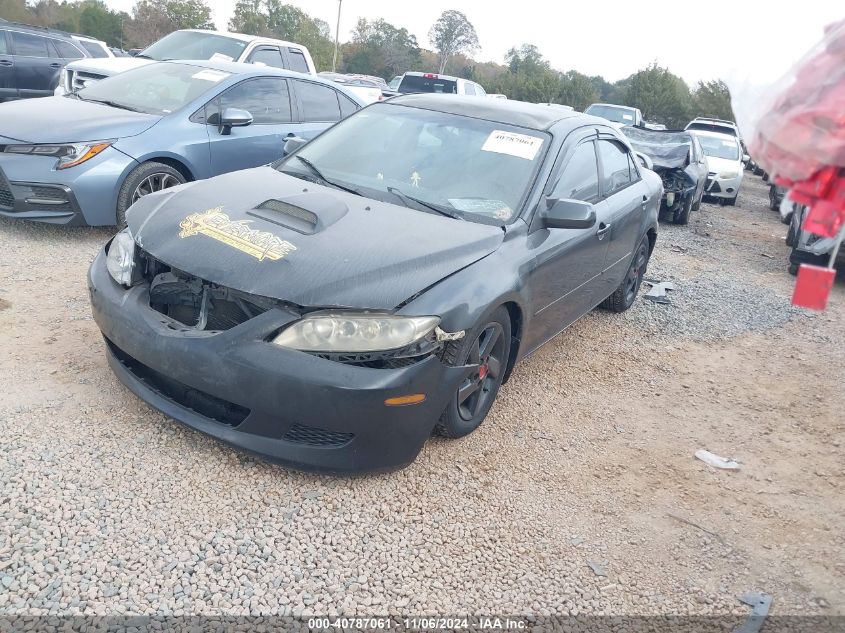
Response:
column 55, row 65
column 645, row 201
column 290, row 135
column 6, row 62
column 604, row 229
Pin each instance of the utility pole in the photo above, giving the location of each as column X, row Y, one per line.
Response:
column 336, row 36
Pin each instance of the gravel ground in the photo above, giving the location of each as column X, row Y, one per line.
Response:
column 578, row 495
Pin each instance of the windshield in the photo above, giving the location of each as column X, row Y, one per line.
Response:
column 471, row 168
column 154, row 88
column 419, row 83
column 394, row 83
column 193, row 45
column 94, row 49
column 617, row 114
column 719, row 147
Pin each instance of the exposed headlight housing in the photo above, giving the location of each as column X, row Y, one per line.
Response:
column 69, row 155
column 120, row 260
column 340, row 333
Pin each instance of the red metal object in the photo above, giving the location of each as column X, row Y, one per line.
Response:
column 813, row 287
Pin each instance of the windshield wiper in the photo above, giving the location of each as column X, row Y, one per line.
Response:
column 405, row 198
column 113, row 104
column 313, row 169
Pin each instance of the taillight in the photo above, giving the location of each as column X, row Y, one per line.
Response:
column 430, row 76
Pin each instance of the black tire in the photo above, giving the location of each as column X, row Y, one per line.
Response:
column 489, row 340
column 697, row 204
column 625, row 295
column 157, row 175
column 773, row 201
column 682, row 215
column 793, row 269
column 730, row 202
column 790, row 235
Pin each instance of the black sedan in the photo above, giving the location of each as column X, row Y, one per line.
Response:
column 332, row 310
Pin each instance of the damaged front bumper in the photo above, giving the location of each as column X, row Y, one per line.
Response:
column 678, row 190
column 291, row 407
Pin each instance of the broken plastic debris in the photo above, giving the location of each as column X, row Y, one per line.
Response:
column 717, row 461
column 658, row 290
column 598, row 568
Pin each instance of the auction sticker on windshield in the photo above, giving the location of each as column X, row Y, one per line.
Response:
column 520, row 145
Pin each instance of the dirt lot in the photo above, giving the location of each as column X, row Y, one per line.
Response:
column 109, row 507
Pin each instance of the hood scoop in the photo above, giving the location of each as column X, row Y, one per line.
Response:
column 306, row 213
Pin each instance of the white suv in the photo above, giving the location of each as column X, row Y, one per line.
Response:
column 719, row 126
column 192, row 44
column 415, row 82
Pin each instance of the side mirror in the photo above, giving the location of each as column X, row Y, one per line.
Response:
column 233, row 117
column 568, row 214
column 293, row 143
column 745, row 159
column 645, row 161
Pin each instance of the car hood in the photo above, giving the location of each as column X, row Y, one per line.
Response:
column 73, row 121
column 108, row 65
column 720, row 165
column 313, row 246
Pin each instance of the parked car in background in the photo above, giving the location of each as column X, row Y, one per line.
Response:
column 193, row 44
column 678, row 158
column 96, row 49
column 706, row 124
column 31, row 59
column 417, row 82
column 621, row 115
column 776, row 195
column 369, row 91
column 724, row 159
column 334, row 309
column 152, row 128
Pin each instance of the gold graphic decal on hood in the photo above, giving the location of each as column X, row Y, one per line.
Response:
column 217, row 225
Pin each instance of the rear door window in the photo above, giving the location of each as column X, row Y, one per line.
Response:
column 69, row 51
column 27, row 45
column 268, row 56
column 297, row 61
column 347, row 105
column 580, row 178
column 267, row 99
column 319, row 103
column 616, row 167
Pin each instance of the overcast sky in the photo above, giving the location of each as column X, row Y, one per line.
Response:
column 613, row 38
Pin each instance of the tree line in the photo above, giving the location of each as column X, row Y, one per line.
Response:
column 379, row 48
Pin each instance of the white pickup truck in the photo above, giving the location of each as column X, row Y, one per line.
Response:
column 192, row 44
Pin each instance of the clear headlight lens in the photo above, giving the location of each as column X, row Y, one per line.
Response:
column 120, row 260
column 68, row 155
column 728, row 174
column 355, row 332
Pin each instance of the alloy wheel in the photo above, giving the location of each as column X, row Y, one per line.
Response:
column 488, row 352
column 635, row 273
column 154, row 182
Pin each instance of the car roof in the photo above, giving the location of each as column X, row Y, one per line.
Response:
column 245, row 38
column 42, row 30
column 730, row 137
column 507, row 111
column 611, row 105
column 707, row 119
